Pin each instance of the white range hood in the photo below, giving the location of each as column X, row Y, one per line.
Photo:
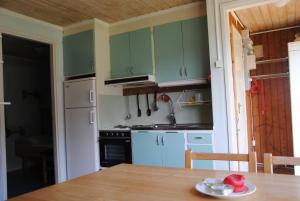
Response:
column 133, row 81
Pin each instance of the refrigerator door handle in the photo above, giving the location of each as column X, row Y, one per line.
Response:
column 92, row 97
column 92, row 119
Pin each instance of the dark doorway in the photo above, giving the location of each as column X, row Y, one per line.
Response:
column 28, row 120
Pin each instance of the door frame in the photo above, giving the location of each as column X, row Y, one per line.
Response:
column 220, row 22
column 56, row 75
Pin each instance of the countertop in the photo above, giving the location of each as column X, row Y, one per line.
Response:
column 136, row 183
column 173, row 127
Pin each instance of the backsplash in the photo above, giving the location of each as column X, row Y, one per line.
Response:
column 113, row 111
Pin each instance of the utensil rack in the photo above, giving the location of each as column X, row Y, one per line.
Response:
column 186, row 98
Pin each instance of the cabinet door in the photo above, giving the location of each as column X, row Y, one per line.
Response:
column 82, row 146
column 168, row 52
column 196, row 49
column 141, row 52
column 146, row 148
column 120, row 55
column 202, row 164
column 79, row 53
column 173, row 149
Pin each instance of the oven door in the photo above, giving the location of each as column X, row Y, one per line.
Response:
column 114, row 151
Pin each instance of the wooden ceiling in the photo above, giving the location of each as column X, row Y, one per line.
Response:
column 267, row 17
column 66, row 12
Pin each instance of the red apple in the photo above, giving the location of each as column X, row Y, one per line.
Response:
column 237, row 181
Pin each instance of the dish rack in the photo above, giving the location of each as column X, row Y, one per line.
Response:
column 187, row 98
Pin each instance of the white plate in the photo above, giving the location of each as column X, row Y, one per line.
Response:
column 203, row 188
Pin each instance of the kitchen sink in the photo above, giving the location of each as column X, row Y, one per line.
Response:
column 173, row 127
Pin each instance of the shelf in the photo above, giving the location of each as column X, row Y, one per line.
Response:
column 185, row 104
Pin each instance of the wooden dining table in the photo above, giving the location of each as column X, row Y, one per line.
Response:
column 143, row 183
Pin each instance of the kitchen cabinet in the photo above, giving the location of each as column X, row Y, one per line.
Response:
column 78, row 50
column 201, row 142
column 196, row 48
column 168, row 52
column 164, row 149
column 181, row 50
column 131, row 54
column 146, row 149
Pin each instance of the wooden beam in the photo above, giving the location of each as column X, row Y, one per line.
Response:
column 152, row 89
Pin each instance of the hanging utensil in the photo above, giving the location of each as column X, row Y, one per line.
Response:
column 139, row 112
column 128, row 115
column 148, row 107
column 154, row 104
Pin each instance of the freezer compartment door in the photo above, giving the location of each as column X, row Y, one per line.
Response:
column 80, row 93
column 81, row 142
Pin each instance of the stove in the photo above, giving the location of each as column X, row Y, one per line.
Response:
column 115, row 146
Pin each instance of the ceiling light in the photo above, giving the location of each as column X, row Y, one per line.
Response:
column 280, row 3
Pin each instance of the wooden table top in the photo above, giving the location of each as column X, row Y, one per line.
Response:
column 141, row 183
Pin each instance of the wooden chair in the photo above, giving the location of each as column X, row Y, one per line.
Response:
column 250, row 158
column 270, row 160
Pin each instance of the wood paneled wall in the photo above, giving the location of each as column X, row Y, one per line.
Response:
column 272, row 129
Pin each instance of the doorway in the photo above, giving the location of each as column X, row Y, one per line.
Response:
column 266, row 87
column 28, row 118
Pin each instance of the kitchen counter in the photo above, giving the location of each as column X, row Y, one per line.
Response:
column 173, row 127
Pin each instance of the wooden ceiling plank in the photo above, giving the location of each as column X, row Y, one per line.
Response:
column 66, row 12
column 291, row 12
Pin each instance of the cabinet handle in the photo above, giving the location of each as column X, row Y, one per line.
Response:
column 157, row 140
column 5, row 103
column 185, row 72
column 92, row 97
column 199, row 138
column 180, row 72
column 163, row 141
column 92, row 120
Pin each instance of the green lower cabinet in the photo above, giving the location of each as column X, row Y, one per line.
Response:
column 78, row 50
column 203, row 164
column 173, row 149
column 158, row 149
column 146, row 149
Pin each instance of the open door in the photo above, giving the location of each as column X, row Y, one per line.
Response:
column 239, row 138
column 3, row 178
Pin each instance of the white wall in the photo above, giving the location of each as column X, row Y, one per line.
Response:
column 218, row 87
column 19, row 25
column 114, row 110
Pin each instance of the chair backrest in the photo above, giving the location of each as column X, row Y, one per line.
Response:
column 270, row 160
column 250, row 158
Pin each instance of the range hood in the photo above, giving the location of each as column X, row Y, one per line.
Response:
column 133, row 81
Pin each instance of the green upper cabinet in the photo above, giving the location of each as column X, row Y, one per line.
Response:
column 181, row 50
column 168, row 52
column 120, row 55
column 131, row 53
column 78, row 52
column 196, row 48
column 141, row 52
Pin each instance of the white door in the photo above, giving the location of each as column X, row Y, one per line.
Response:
column 81, row 142
column 240, row 136
column 80, row 93
column 294, row 69
column 3, row 178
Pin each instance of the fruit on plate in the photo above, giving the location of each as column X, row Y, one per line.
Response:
column 237, row 181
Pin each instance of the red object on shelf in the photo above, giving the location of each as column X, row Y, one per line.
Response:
column 237, row 181
column 257, row 87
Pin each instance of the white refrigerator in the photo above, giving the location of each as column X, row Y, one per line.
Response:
column 82, row 148
column 294, row 70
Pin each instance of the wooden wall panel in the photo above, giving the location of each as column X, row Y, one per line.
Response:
column 272, row 128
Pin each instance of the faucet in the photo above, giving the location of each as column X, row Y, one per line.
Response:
column 171, row 115
column 165, row 98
